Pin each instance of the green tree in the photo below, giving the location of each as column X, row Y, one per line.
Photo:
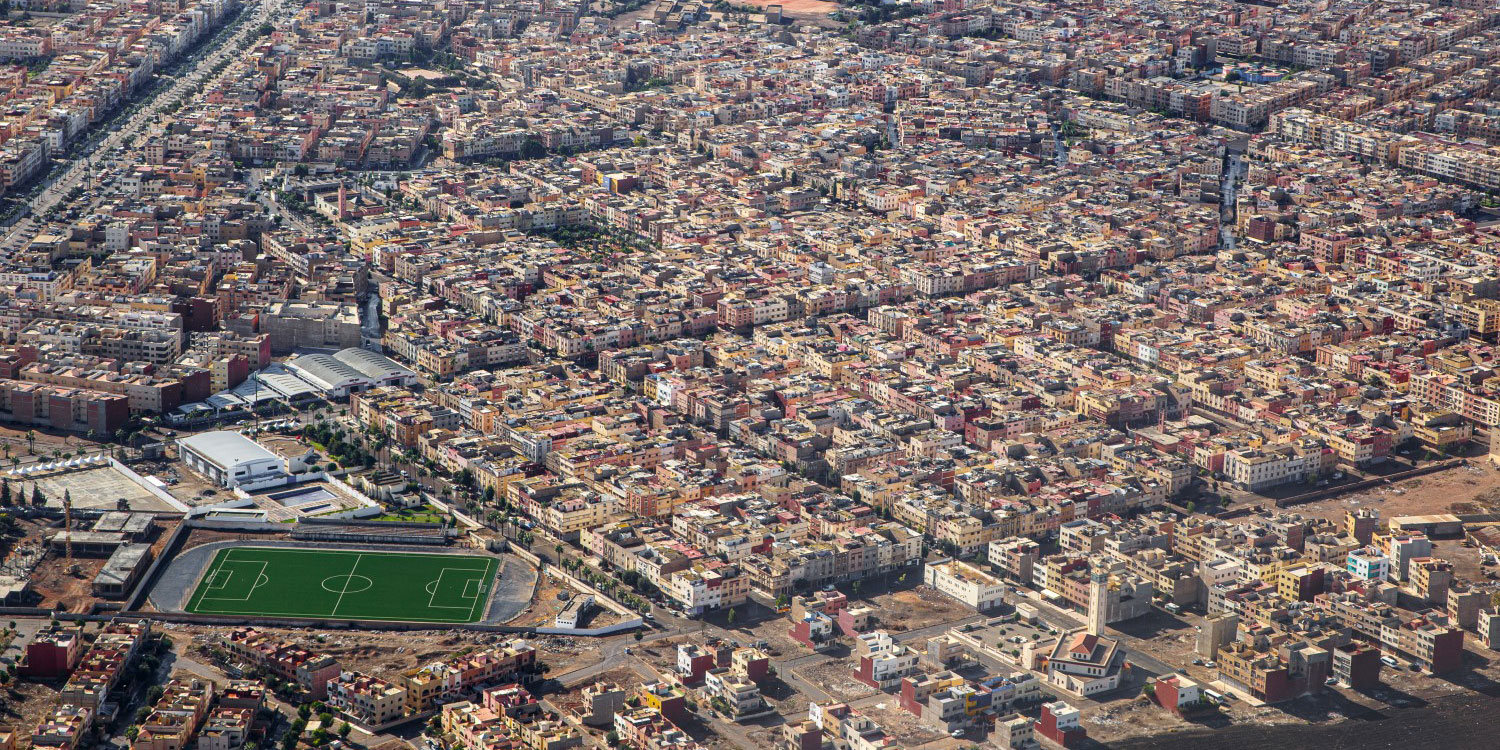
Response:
column 729, row 617
column 37, row 498
column 304, row 712
column 344, row 730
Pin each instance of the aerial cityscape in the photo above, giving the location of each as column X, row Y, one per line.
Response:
column 717, row 374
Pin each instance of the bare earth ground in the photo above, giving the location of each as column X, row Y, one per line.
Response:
column 836, row 677
column 572, row 698
column 384, row 653
column 546, row 604
column 565, row 654
column 802, row 9
column 814, row 12
column 904, row 725
column 916, row 608
column 1467, row 489
column 26, row 702
column 778, row 644
column 53, row 582
column 661, row 655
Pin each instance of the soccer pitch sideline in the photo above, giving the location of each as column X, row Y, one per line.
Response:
column 345, row 585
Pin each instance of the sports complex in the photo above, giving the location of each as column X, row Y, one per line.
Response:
column 345, row 585
column 274, row 579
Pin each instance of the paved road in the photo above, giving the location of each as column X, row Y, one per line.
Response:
column 611, row 655
column 197, row 71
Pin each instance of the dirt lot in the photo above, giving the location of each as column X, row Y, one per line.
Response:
column 564, row 654
column 916, row 608
column 44, row 442
column 800, row 9
column 1448, row 701
column 552, row 594
column 1466, row 489
column 836, row 677
column 183, row 484
column 60, row 587
column 908, row 730
column 778, row 644
column 379, row 653
column 73, row 591
column 26, row 702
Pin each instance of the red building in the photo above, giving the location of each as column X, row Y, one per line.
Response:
column 693, row 662
column 1357, row 665
column 1178, row 693
column 1059, row 723
column 53, row 653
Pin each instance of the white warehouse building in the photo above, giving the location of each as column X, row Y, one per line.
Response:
column 230, row 459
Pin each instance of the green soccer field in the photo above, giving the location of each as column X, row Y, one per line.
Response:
column 345, row 585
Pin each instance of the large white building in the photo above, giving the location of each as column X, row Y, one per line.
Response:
column 1084, row 664
column 965, row 583
column 1259, row 468
column 350, row 371
column 230, row 459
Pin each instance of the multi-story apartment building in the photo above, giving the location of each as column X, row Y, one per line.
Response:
column 369, row 700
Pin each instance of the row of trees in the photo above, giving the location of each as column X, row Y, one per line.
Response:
column 9, row 498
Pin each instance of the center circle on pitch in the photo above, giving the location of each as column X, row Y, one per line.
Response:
column 346, row 584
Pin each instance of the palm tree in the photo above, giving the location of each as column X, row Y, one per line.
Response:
column 31, row 441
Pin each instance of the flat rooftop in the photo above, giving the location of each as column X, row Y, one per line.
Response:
column 102, row 488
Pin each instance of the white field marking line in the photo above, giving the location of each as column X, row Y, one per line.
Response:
column 202, row 592
column 438, row 586
column 248, row 594
column 214, row 576
column 265, row 613
column 349, row 577
column 484, row 577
